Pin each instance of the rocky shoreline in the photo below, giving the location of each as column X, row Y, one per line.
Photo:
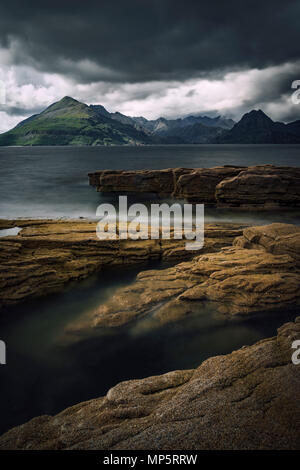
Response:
column 263, row 186
column 245, row 400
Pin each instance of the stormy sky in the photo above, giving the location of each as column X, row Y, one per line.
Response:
column 150, row 57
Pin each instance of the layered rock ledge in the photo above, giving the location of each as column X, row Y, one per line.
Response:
column 260, row 272
column 262, row 186
column 248, row 399
column 46, row 254
column 245, row 400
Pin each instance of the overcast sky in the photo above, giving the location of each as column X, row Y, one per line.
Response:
column 150, row 57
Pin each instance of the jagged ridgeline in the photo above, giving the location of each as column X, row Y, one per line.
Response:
column 69, row 122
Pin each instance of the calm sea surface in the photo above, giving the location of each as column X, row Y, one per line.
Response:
column 52, row 181
column 49, row 368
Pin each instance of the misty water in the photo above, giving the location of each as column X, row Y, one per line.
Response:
column 48, row 366
column 51, row 182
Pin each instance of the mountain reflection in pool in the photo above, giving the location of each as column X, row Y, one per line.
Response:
column 50, row 368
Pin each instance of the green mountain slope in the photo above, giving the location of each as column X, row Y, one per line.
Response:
column 69, row 122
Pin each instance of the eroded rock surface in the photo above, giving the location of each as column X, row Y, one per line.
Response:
column 275, row 238
column 261, row 272
column 260, row 186
column 200, row 183
column 46, row 254
column 248, row 399
column 263, row 186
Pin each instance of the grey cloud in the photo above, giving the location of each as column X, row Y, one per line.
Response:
column 150, row 57
column 16, row 111
column 146, row 40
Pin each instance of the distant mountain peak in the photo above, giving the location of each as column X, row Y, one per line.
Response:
column 65, row 102
column 258, row 128
column 257, row 114
column 70, row 122
column 68, row 100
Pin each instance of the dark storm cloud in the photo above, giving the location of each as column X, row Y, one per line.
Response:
column 150, row 57
column 144, row 40
column 273, row 89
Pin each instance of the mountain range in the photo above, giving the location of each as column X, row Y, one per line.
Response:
column 70, row 122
